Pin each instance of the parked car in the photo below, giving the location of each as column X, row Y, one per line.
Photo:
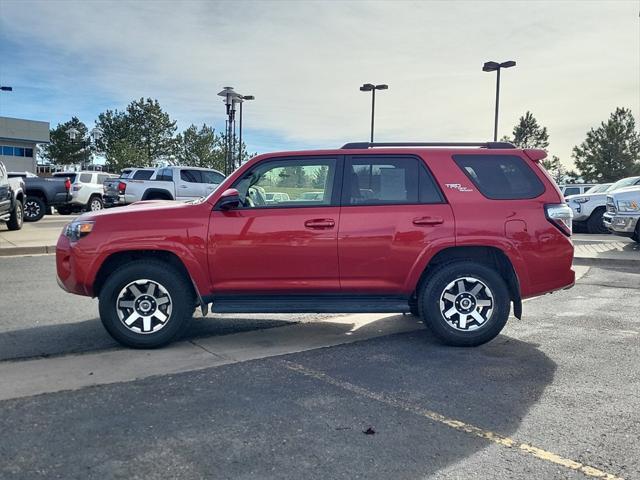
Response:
column 12, row 198
column 575, row 188
column 455, row 235
column 623, row 213
column 170, row 183
column 276, row 197
column 86, row 191
column 113, row 186
column 42, row 194
column 589, row 207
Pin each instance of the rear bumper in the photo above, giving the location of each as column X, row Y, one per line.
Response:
column 621, row 224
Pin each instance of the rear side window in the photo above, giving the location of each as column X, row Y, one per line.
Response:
column 165, row 175
column 500, row 177
column 85, row 177
column 143, row 175
column 571, row 191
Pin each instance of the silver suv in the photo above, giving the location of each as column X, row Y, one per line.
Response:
column 86, row 191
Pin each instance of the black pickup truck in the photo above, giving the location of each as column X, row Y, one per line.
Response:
column 11, row 200
column 42, row 194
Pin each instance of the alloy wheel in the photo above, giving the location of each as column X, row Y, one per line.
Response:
column 144, row 306
column 466, row 304
column 95, row 205
column 31, row 209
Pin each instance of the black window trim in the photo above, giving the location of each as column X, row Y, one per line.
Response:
column 483, row 154
column 346, row 187
column 336, row 191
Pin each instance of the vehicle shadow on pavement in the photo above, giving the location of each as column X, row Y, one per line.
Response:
column 90, row 335
column 262, row 419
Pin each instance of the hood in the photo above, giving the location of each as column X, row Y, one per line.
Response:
column 602, row 195
column 162, row 208
column 626, row 192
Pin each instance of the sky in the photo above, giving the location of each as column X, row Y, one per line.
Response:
column 305, row 60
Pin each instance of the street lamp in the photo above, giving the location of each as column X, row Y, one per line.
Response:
column 242, row 99
column 230, row 99
column 370, row 87
column 92, row 139
column 496, row 67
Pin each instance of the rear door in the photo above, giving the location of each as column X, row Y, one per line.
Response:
column 392, row 213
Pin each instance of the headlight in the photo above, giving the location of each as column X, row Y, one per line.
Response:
column 628, row 206
column 76, row 230
column 581, row 200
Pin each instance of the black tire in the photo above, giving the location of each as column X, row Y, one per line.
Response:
column 34, row 209
column 95, row 204
column 178, row 290
column 594, row 223
column 468, row 332
column 636, row 235
column 64, row 210
column 17, row 217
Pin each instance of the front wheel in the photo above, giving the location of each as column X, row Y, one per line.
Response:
column 146, row 304
column 465, row 304
column 17, row 217
column 594, row 224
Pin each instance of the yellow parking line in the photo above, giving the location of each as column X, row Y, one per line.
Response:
column 453, row 423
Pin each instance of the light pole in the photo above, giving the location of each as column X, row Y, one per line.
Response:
column 230, row 99
column 242, row 99
column 496, row 67
column 370, row 87
column 95, row 134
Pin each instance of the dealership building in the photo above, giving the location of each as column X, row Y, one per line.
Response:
column 19, row 141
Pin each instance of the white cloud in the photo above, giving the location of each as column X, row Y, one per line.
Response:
column 304, row 62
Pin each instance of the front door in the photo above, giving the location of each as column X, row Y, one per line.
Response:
column 288, row 246
column 392, row 213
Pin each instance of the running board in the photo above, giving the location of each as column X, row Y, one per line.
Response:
column 308, row 304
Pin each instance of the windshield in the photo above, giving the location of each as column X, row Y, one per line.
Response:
column 625, row 182
column 599, row 188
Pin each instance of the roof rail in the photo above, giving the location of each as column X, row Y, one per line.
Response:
column 363, row 145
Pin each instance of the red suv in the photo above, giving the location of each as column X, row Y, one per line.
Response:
column 449, row 232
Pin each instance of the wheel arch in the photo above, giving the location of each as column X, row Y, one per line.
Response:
column 490, row 256
column 117, row 259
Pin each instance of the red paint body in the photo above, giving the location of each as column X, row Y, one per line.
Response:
column 331, row 249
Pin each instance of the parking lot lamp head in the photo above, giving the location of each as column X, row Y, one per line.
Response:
column 73, row 133
column 6, row 89
column 228, row 94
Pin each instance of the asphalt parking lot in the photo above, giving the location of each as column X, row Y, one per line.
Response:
column 554, row 396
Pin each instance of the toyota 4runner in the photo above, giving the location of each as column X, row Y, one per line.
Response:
column 454, row 233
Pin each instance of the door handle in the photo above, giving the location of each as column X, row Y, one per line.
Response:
column 320, row 223
column 184, row 186
column 428, row 221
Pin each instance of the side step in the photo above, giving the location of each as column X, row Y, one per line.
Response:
column 308, row 304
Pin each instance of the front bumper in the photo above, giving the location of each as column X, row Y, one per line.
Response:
column 621, row 224
column 579, row 213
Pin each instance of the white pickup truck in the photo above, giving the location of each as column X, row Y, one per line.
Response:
column 169, row 183
column 623, row 213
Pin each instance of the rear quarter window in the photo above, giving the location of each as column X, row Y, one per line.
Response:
column 501, row 177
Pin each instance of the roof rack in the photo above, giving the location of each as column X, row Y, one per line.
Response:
column 363, row 145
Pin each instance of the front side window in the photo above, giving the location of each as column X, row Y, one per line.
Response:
column 288, row 183
column 501, row 177
column 210, row 177
column 571, row 191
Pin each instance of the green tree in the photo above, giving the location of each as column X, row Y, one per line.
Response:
column 528, row 134
column 555, row 168
column 139, row 136
column 293, row 177
column 611, row 151
column 320, row 177
column 62, row 150
column 200, row 148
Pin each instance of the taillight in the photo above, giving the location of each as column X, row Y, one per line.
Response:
column 67, row 184
column 122, row 187
column 561, row 216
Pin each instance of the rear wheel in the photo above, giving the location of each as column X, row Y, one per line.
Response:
column 34, row 209
column 17, row 217
column 95, row 204
column 146, row 304
column 594, row 224
column 464, row 304
column 636, row 235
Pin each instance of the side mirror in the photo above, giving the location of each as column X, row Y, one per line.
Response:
column 229, row 200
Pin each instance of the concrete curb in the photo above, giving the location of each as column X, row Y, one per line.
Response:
column 606, row 262
column 37, row 250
